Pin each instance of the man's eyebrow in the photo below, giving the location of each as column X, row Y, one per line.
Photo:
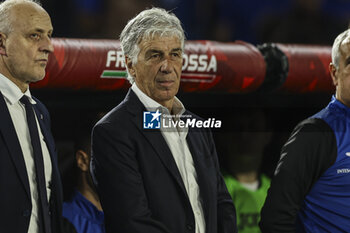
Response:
column 154, row 51
column 40, row 30
column 176, row 50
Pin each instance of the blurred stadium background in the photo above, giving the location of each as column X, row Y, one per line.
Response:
column 301, row 22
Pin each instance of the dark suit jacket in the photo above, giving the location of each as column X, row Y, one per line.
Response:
column 139, row 184
column 15, row 201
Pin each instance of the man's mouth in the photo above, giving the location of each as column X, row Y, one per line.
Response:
column 166, row 83
column 42, row 61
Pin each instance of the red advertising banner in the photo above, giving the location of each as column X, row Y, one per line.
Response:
column 81, row 64
column 208, row 66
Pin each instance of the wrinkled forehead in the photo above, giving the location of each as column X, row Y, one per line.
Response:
column 160, row 35
column 161, row 42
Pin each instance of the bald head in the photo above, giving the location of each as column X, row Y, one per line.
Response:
column 9, row 10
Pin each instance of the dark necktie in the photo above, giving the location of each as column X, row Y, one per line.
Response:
column 39, row 164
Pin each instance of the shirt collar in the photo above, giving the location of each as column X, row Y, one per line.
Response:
column 12, row 92
column 339, row 106
column 152, row 105
column 89, row 210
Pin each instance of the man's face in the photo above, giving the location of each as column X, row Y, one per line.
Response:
column 26, row 48
column 341, row 76
column 158, row 70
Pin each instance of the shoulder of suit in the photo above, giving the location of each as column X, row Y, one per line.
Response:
column 314, row 125
column 119, row 116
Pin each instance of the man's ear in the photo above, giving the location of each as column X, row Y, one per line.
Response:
column 2, row 44
column 334, row 73
column 130, row 66
column 83, row 160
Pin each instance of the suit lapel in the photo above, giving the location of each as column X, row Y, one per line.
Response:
column 47, row 136
column 50, row 143
column 55, row 186
column 8, row 131
column 154, row 137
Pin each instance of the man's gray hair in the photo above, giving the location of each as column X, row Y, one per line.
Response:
column 336, row 52
column 146, row 25
column 5, row 9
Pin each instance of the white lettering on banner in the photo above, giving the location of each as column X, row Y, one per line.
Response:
column 191, row 62
column 202, row 62
column 212, row 64
column 196, row 67
column 195, row 62
column 117, row 57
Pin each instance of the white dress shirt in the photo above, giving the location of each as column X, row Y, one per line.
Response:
column 176, row 141
column 12, row 94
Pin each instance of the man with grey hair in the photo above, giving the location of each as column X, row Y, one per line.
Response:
column 157, row 181
column 30, row 197
column 310, row 191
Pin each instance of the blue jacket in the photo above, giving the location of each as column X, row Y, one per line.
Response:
column 85, row 217
column 310, row 191
column 327, row 206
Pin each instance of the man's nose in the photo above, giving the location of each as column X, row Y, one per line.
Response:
column 166, row 66
column 46, row 45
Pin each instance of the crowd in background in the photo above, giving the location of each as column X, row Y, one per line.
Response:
column 253, row 21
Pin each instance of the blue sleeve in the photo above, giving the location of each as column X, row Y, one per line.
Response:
column 310, row 150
